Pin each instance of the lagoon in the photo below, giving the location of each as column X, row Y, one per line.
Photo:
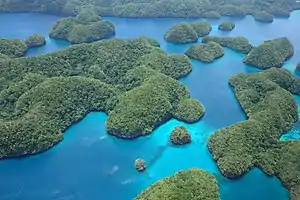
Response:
column 90, row 164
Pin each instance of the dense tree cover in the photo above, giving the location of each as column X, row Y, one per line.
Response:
column 191, row 184
column 185, row 32
column 232, row 10
column 41, row 96
column 263, row 16
column 189, row 110
column 201, row 27
column 35, row 40
column 139, row 111
column 140, row 164
column 153, row 8
column 226, row 25
column 272, row 53
column 239, row 44
column 181, row 33
column 12, row 48
column 3, row 56
column 271, row 110
column 212, row 15
column 180, row 136
column 75, row 31
column 206, row 52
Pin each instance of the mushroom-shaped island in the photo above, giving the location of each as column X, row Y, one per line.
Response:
column 206, row 52
column 191, row 184
column 140, row 164
column 180, row 136
column 272, row 53
column 184, row 32
column 86, row 27
column 226, row 26
column 181, row 33
column 35, row 40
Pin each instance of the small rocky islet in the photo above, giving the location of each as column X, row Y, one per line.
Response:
column 42, row 96
column 226, row 26
column 180, row 136
column 206, row 52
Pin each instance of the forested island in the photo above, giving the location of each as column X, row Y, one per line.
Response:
column 85, row 27
column 35, row 40
column 226, row 26
column 267, row 99
column 272, row 53
column 191, row 184
column 206, row 52
column 185, row 32
column 239, row 44
column 136, row 86
column 180, row 136
column 155, row 8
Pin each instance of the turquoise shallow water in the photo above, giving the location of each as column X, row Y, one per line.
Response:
column 89, row 164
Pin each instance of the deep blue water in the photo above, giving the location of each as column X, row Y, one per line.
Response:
column 90, row 165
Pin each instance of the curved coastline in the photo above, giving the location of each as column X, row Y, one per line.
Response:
column 75, row 122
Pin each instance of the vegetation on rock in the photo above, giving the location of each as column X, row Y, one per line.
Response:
column 12, row 48
column 181, row 33
column 212, row 15
column 152, row 8
column 272, row 53
column 271, row 110
column 192, row 184
column 263, row 17
column 189, row 110
column 35, row 40
column 239, row 44
column 180, row 136
column 3, row 56
column 140, row 164
column 226, row 26
column 87, row 27
column 184, row 32
column 40, row 97
column 206, row 52
column 201, row 27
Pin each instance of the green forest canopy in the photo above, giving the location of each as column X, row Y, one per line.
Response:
column 41, row 96
column 267, row 99
column 154, row 8
column 191, row 184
